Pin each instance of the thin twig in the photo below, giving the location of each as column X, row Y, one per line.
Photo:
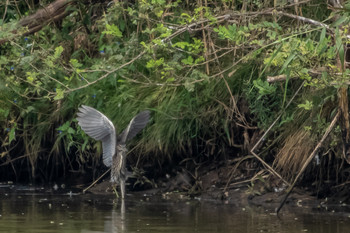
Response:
column 93, row 183
column 248, row 181
column 234, row 169
column 6, row 6
column 269, row 168
column 19, row 157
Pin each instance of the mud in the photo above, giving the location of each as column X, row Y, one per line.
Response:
column 212, row 186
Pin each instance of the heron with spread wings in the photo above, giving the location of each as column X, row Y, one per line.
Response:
column 99, row 127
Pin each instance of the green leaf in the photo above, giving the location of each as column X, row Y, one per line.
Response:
column 3, row 60
column 172, row 79
column 340, row 21
column 341, row 56
column 59, row 94
column 269, row 60
column 181, row 44
column 12, row 133
column 340, row 47
column 4, row 112
column 84, row 144
column 155, row 63
column 323, row 35
column 64, row 127
column 322, row 44
column 75, row 63
column 159, row 13
column 31, row 77
column 287, row 62
column 198, row 60
column 186, row 18
column 30, row 109
column 71, row 130
column 147, row 47
column 58, row 52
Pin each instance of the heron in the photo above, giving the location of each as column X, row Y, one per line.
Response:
column 99, row 127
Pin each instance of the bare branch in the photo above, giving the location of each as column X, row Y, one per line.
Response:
column 304, row 19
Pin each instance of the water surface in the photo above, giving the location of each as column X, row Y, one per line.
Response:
column 48, row 212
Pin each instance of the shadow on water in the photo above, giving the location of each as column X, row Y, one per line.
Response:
column 47, row 212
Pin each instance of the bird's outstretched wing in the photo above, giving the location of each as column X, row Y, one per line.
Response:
column 136, row 125
column 99, row 127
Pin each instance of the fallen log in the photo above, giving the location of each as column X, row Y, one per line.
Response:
column 53, row 12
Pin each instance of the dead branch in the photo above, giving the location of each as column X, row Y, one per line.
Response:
column 278, row 78
column 93, row 183
column 51, row 13
column 309, row 21
column 304, row 19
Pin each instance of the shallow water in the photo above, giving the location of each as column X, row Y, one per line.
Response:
column 47, row 212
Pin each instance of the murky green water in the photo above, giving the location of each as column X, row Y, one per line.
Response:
column 40, row 212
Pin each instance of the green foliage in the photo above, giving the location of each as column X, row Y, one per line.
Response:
column 264, row 87
column 233, row 33
column 112, row 30
column 307, row 106
column 184, row 61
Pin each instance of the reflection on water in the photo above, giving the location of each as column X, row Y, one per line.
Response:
column 86, row 213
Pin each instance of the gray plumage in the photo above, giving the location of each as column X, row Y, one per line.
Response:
column 99, row 127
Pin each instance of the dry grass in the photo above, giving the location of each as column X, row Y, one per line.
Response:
column 297, row 147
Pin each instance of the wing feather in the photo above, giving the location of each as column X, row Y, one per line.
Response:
column 135, row 126
column 99, row 127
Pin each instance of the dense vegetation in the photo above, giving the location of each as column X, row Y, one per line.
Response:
column 215, row 74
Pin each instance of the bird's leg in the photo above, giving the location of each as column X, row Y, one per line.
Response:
column 115, row 191
column 120, row 167
column 122, row 187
